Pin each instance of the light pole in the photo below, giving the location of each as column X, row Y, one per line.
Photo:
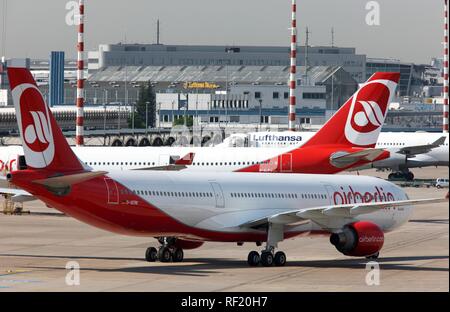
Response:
column 260, row 113
column 159, row 115
column 119, row 117
column 104, row 123
column 132, row 117
column 146, row 117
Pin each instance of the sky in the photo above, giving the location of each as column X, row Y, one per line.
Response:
column 409, row 30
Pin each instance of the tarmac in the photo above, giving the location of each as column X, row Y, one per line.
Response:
column 35, row 250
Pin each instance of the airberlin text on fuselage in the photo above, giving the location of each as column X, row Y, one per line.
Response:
column 343, row 197
column 7, row 166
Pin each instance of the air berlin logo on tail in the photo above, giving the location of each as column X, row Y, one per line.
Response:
column 37, row 135
column 371, row 114
column 368, row 111
column 34, row 124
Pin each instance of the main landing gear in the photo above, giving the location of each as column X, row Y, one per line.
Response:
column 166, row 253
column 401, row 175
column 268, row 256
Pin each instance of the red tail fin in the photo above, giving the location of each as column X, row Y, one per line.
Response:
column 44, row 145
column 358, row 122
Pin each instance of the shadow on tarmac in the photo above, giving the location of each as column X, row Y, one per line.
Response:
column 433, row 221
column 203, row 267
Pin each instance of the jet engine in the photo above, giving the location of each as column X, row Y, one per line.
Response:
column 358, row 239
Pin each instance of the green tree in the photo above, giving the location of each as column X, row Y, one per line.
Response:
column 181, row 121
column 145, row 104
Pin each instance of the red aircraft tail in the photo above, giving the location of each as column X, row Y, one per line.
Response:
column 358, row 122
column 44, row 144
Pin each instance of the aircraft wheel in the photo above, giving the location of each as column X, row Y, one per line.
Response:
column 266, row 258
column 409, row 176
column 164, row 254
column 280, row 258
column 253, row 258
column 151, row 254
column 178, row 255
column 374, row 256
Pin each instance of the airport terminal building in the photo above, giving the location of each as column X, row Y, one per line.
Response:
column 206, row 55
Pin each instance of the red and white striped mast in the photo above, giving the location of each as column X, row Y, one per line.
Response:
column 293, row 69
column 79, row 140
column 445, row 73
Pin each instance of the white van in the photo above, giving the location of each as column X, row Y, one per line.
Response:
column 441, row 183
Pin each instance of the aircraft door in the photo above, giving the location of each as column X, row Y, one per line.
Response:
column 218, row 195
column 330, row 191
column 113, row 191
column 286, row 162
column 164, row 160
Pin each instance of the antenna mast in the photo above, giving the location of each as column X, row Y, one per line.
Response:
column 79, row 140
column 445, row 72
column 157, row 32
column 293, row 70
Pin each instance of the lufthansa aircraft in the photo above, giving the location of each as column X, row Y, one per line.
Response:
column 345, row 141
column 185, row 209
column 407, row 149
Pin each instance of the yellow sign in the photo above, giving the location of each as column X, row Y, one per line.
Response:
column 200, row 85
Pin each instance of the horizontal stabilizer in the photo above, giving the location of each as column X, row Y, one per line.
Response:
column 342, row 160
column 186, row 160
column 68, row 180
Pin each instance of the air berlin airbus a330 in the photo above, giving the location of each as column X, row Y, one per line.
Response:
column 186, row 209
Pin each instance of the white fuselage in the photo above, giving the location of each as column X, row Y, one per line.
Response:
column 221, row 201
column 392, row 141
column 126, row 158
column 227, row 159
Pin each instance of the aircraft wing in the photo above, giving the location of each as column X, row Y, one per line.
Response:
column 421, row 149
column 17, row 195
column 176, row 163
column 347, row 159
column 318, row 214
column 165, row 168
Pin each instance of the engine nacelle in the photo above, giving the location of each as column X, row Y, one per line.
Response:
column 358, row 239
column 187, row 244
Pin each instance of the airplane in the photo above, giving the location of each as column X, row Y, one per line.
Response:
column 185, row 209
column 345, row 141
column 407, row 149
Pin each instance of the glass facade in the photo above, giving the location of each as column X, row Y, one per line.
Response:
column 411, row 75
column 56, row 78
